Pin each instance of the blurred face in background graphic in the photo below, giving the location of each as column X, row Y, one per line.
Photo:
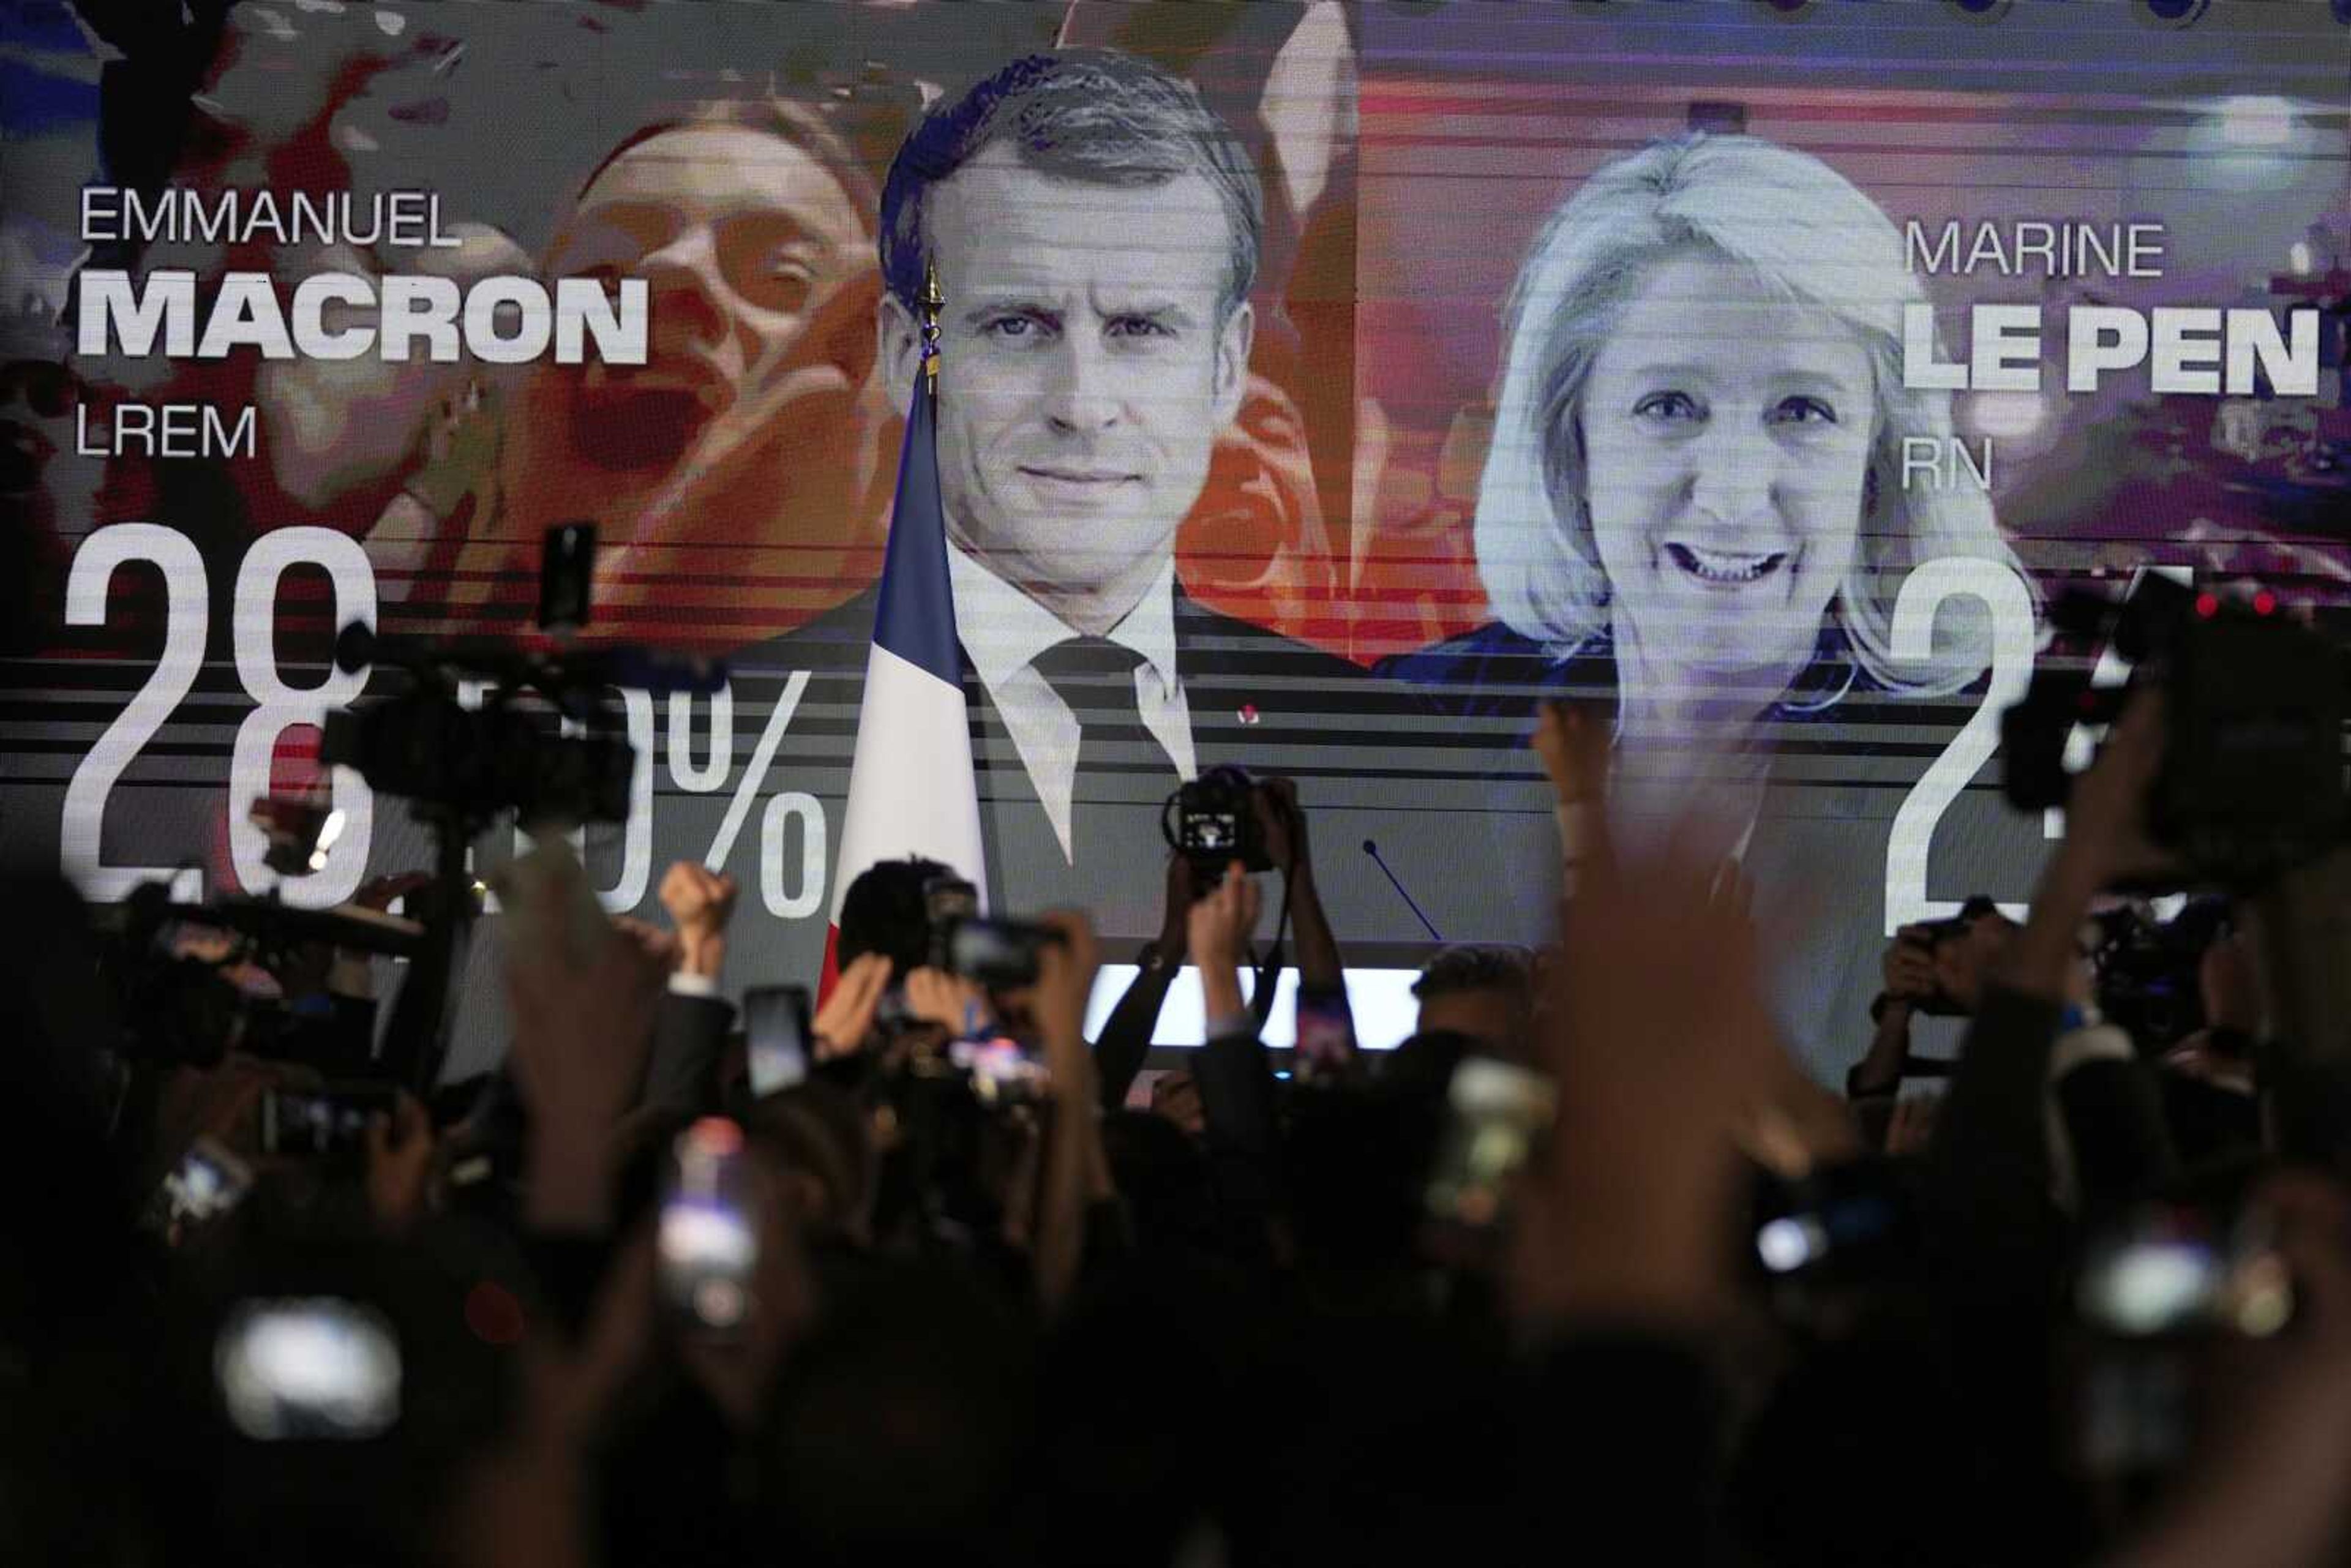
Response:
column 749, row 427
column 1088, row 366
column 339, row 426
column 742, row 239
column 1255, row 543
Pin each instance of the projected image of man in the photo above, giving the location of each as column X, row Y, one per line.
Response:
column 1094, row 233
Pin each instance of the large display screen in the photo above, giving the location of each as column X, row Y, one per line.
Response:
column 1345, row 380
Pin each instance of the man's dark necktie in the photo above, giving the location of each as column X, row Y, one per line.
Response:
column 1123, row 774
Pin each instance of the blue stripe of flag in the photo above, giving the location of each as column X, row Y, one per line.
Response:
column 915, row 617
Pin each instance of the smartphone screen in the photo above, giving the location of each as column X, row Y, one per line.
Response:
column 1326, row 1033
column 1003, row 1070
column 707, row 1240
column 329, row 1121
column 1495, row 1113
column 776, row 1032
column 309, row 1368
column 2165, row 1270
column 996, row 953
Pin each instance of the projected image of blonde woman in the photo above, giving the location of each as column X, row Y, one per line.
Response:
column 1693, row 496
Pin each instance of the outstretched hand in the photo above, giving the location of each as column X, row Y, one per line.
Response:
column 399, row 1149
column 846, row 1017
column 1656, row 1034
column 1572, row 740
column 700, row 901
column 1065, row 981
column 1176, row 912
column 2106, row 834
column 948, row 1001
column 1220, row 924
column 583, row 994
column 460, row 444
column 1283, row 822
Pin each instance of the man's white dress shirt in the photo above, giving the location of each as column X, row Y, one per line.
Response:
column 1003, row 630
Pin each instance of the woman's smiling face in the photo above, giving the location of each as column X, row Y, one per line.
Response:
column 1727, row 432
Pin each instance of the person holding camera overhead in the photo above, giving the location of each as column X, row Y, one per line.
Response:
column 1095, row 231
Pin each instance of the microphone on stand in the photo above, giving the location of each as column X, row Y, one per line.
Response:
column 1372, row 848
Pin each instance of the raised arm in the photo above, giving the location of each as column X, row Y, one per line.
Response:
column 1125, row 1042
column 1074, row 1166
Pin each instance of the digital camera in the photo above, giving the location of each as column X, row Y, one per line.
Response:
column 1213, row 821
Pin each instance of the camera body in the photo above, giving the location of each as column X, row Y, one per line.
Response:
column 2150, row 973
column 946, row 900
column 1940, row 1003
column 2251, row 777
column 997, row 955
column 481, row 762
column 1213, row 821
column 1854, row 1224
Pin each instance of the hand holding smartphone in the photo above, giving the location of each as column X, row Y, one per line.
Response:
column 1001, row 954
column 707, row 1238
column 207, row 1182
column 1326, row 1034
column 776, row 1035
column 1496, row 1113
column 332, row 1121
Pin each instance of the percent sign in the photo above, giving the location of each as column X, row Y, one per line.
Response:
column 782, row 809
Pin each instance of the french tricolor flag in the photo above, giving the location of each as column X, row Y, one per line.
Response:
column 911, row 786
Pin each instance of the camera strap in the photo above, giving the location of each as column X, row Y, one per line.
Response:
column 1268, row 970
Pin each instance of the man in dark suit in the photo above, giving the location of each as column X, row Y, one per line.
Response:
column 1094, row 233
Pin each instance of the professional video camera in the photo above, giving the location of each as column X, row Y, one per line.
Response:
column 476, row 763
column 464, row 767
column 172, row 963
column 481, row 762
column 2251, row 777
column 1213, row 821
column 177, row 1011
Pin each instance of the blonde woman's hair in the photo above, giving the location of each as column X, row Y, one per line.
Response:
column 1811, row 236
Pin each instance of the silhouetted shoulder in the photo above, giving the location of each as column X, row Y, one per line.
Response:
column 1212, row 646
column 1495, row 670
column 839, row 639
column 1491, row 653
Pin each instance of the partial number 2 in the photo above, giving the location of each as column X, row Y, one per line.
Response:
column 1922, row 596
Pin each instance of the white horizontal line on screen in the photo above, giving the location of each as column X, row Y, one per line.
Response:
column 1381, row 1001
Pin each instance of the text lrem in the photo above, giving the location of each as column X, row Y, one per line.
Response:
column 165, row 430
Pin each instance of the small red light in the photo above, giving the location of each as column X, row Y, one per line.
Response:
column 2207, row 605
column 494, row 1314
column 2264, row 603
